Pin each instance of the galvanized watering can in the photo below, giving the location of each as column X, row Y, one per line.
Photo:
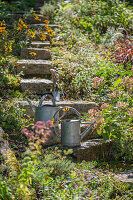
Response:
column 44, row 112
column 70, row 128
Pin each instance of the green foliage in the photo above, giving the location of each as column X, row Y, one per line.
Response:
column 124, row 149
column 12, row 119
column 95, row 17
column 59, row 165
column 5, row 192
column 92, row 71
column 11, row 116
column 48, row 10
column 53, row 176
column 9, row 82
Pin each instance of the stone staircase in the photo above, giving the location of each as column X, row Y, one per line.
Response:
column 36, row 68
column 37, row 80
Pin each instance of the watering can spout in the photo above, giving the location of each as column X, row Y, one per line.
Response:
column 86, row 131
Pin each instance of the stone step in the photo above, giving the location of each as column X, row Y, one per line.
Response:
column 39, row 44
column 32, row 20
column 37, row 10
column 34, row 67
column 94, row 149
column 81, row 106
column 36, row 86
column 39, row 37
column 35, row 53
column 16, row 16
column 54, row 140
column 42, row 26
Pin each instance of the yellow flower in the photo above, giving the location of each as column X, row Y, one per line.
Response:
column 51, row 34
column 3, row 27
column 46, row 21
column 21, row 21
column 52, row 120
column 66, row 109
column 49, row 30
column 8, row 47
column 36, row 17
column 2, row 23
column 32, row 53
column 16, row 64
column 32, row 34
column 21, row 25
column 46, row 27
column 42, row 36
column 19, row 28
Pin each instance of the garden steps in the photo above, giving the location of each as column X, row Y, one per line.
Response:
column 32, row 20
column 34, row 67
column 38, row 36
column 81, row 106
column 36, row 86
column 39, row 65
column 36, row 53
column 42, row 26
column 39, row 44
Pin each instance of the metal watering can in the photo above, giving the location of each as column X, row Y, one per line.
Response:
column 44, row 112
column 70, row 128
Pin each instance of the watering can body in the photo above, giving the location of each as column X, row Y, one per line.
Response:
column 44, row 112
column 71, row 135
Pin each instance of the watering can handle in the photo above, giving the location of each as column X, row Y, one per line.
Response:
column 44, row 96
column 65, row 109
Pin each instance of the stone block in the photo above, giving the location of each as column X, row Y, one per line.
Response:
column 81, row 106
column 40, row 44
column 42, row 26
column 34, row 67
column 36, row 86
column 94, row 149
column 36, row 53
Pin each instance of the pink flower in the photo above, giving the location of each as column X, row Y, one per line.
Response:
column 127, row 82
column 97, row 81
column 94, row 112
column 122, row 104
column 40, row 122
column 24, row 130
column 130, row 111
column 116, row 94
column 105, row 105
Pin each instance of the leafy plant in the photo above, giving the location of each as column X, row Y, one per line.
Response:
column 48, row 10
column 123, row 52
column 5, row 192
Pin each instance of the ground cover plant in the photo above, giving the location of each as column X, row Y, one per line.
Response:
column 51, row 174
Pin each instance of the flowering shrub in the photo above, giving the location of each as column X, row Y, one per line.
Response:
column 97, row 81
column 115, row 119
column 37, row 134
